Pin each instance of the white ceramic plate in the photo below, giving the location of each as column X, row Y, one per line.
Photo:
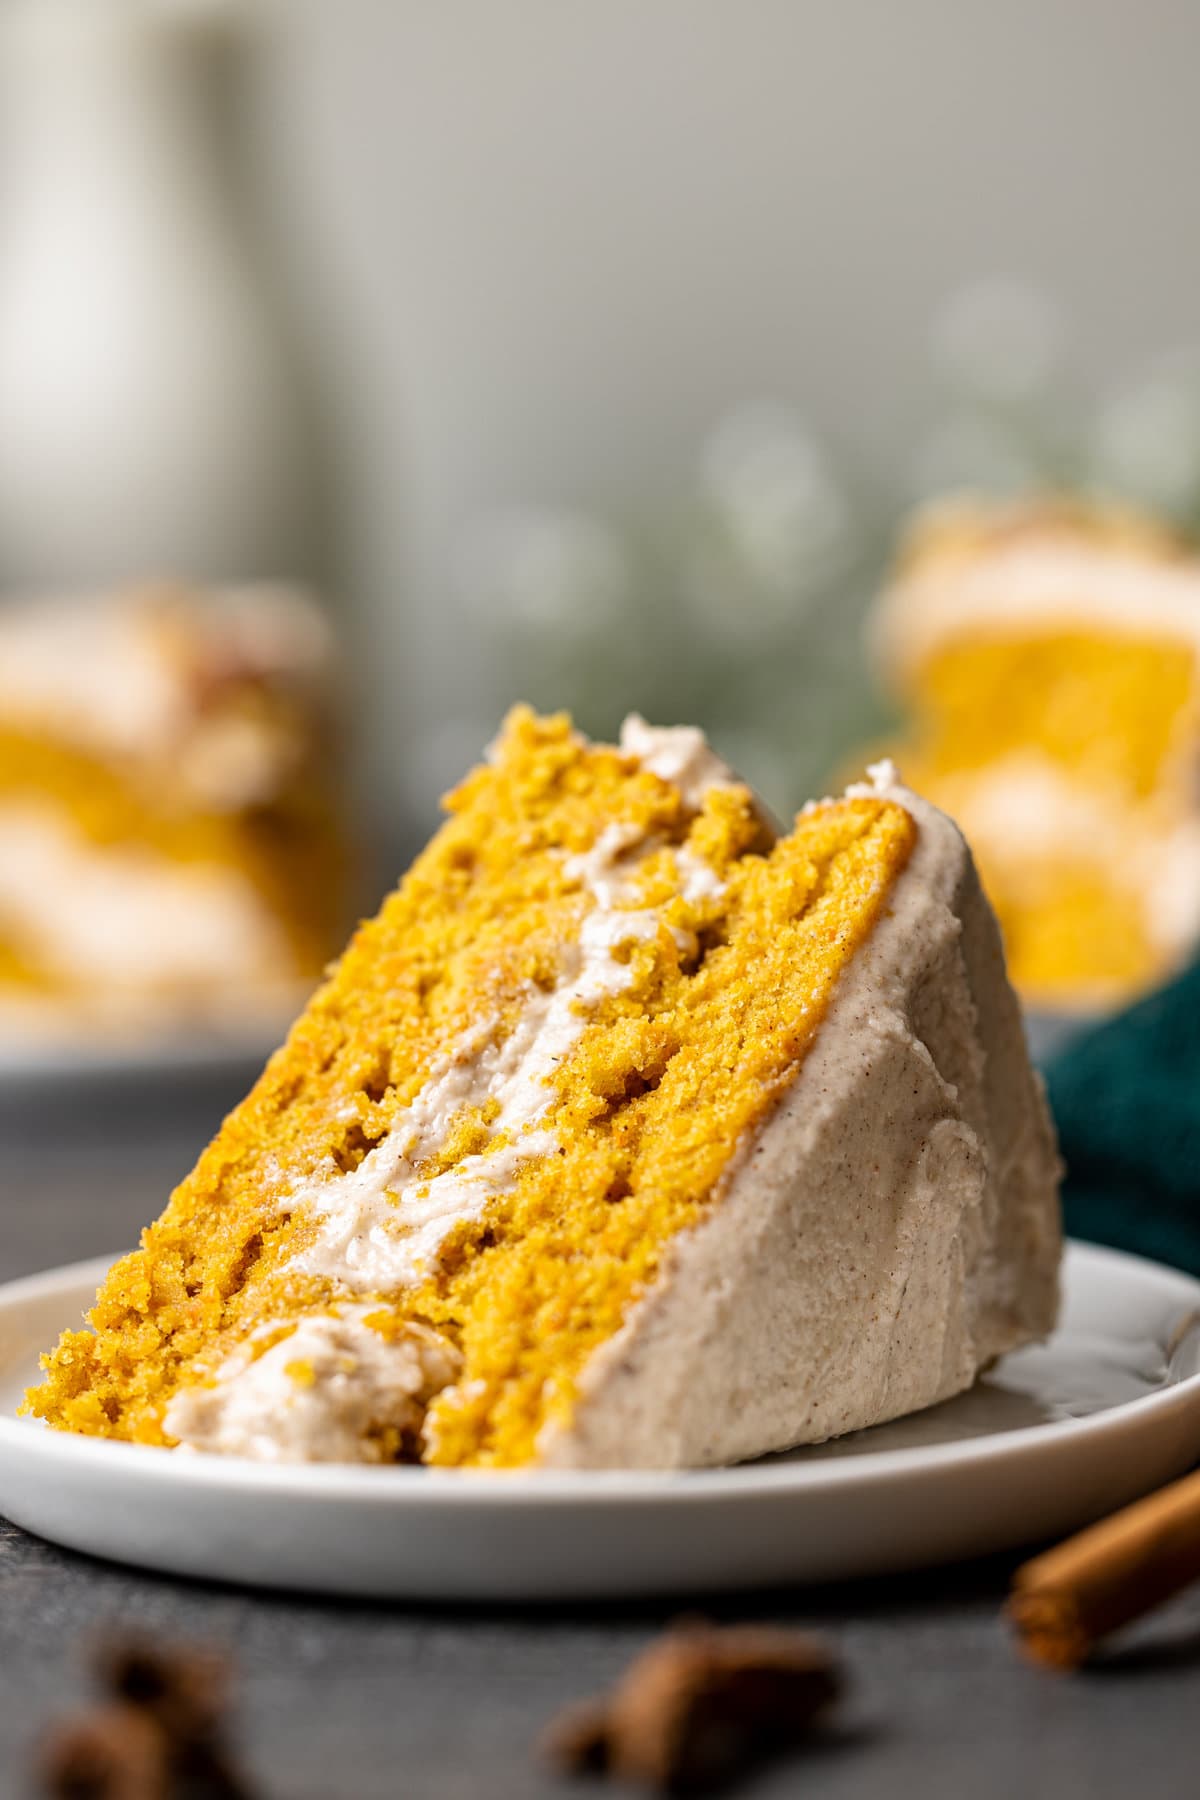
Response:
column 1055, row 1436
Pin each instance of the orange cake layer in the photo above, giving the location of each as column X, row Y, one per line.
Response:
column 721, row 961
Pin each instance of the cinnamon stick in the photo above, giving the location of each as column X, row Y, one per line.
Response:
column 1067, row 1601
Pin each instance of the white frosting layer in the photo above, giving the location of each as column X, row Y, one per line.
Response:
column 316, row 1394
column 117, row 673
column 1048, row 582
column 89, row 671
column 125, row 916
column 680, row 754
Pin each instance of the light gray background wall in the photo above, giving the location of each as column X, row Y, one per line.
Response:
column 546, row 243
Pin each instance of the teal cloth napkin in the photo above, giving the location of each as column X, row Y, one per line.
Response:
column 1126, row 1100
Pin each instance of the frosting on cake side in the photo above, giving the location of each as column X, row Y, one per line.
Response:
column 892, row 1229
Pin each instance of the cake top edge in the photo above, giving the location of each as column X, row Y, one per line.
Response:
column 682, row 756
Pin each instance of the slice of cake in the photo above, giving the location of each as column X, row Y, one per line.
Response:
column 1048, row 656
column 169, row 838
column 628, row 1134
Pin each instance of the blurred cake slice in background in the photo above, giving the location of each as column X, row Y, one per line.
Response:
column 171, row 850
column 1048, row 657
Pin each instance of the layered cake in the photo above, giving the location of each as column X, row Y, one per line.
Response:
column 170, row 845
column 1048, row 657
column 631, row 1132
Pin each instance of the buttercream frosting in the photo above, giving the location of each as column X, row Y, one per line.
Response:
column 891, row 1230
column 319, row 1393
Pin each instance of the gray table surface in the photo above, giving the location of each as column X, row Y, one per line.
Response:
column 355, row 1702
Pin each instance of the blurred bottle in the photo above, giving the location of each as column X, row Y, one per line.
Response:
column 150, row 416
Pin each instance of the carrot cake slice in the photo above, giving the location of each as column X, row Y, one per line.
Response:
column 170, row 845
column 630, row 1133
column 1048, row 655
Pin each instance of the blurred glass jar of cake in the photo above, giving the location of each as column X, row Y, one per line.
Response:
column 151, row 405
column 172, row 838
column 172, row 850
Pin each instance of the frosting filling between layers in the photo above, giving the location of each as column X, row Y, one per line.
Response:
column 331, row 1389
column 381, row 1225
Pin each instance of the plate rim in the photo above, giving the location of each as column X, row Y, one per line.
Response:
column 367, row 1483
